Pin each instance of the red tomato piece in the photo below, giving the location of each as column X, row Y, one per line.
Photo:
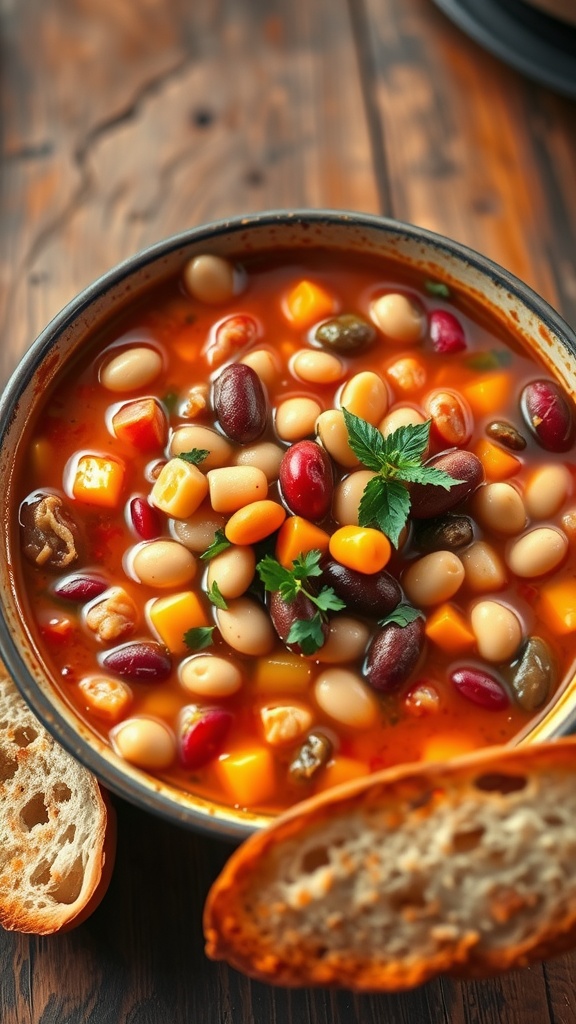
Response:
column 141, row 423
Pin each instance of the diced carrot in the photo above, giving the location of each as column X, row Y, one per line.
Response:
column 296, row 537
column 498, row 464
column 141, row 423
column 306, row 303
column 98, row 480
column 248, row 775
column 254, row 522
column 282, row 674
column 557, row 605
column 106, row 698
column 180, row 489
column 172, row 616
column 360, row 548
column 447, row 628
column 488, row 393
column 341, row 769
column 443, row 748
column 407, row 375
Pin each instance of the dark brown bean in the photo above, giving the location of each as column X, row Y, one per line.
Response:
column 506, row 434
column 480, row 688
column 393, row 655
column 549, row 415
column 80, row 588
column 533, row 676
column 449, row 533
column 285, row 613
column 142, row 661
column 430, row 500
column 375, row 595
column 307, row 480
column 346, row 333
column 314, row 753
column 240, row 403
column 50, row 534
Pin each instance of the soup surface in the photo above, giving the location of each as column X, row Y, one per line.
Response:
column 296, row 519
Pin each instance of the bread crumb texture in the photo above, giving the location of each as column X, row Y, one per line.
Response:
column 468, row 870
column 52, row 824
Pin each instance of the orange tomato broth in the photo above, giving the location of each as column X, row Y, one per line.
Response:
column 76, row 418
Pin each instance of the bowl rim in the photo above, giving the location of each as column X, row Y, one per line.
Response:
column 214, row 820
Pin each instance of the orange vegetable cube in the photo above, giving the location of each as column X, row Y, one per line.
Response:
column 254, row 522
column 360, row 548
column 296, row 537
column 487, row 394
column 557, row 605
column 180, row 489
column 447, row 628
column 443, row 748
column 279, row 674
column 307, row 303
column 174, row 615
column 141, row 423
column 248, row 775
column 498, row 464
column 341, row 769
column 98, row 480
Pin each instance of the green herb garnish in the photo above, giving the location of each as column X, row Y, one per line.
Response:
column 214, row 595
column 307, row 633
column 494, row 359
column 198, row 638
column 397, row 459
column 195, row 456
column 437, row 288
column 402, row 615
column 219, row 544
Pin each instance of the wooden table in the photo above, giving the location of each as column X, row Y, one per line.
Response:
column 125, row 122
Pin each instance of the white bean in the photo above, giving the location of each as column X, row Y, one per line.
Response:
column 208, row 675
column 232, row 487
column 265, row 456
column 346, row 640
column 547, row 489
column 209, row 279
column 163, row 563
column 537, row 552
column 332, row 431
column 197, row 532
column 484, row 570
column 131, row 369
column 145, row 742
column 365, row 395
column 317, row 367
column 497, row 630
column 265, row 364
column 401, row 416
column 434, row 578
column 344, row 697
column 399, row 317
column 347, row 497
column 232, row 571
column 498, row 507
column 295, row 418
column 184, row 439
column 246, row 627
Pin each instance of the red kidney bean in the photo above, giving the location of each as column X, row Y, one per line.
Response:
column 480, row 688
column 80, row 588
column 307, row 480
column 375, row 594
column 446, row 332
column 394, row 654
column 142, row 661
column 240, row 403
column 202, row 734
column 549, row 415
column 144, row 518
column 430, row 500
column 285, row 613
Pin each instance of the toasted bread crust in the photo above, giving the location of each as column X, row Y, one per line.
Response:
column 57, row 835
column 381, row 884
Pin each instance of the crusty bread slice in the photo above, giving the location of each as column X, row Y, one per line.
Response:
column 56, row 836
column 467, row 868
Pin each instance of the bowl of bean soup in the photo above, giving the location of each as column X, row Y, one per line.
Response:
column 288, row 499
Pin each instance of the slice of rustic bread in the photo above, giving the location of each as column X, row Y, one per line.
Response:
column 56, row 839
column 467, row 868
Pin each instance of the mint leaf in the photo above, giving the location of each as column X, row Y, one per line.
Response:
column 307, row 633
column 198, row 638
column 195, row 456
column 394, row 511
column 214, row 595
column 219, row 544
column 437, row 288
column 366, row 441
column 429, row 475
column 407, row 445
column 372, row 501
column 402, row 615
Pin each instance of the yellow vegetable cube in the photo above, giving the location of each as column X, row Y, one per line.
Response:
column 180, row 489
column 282, row 674
column 557, row 605
column 248, row 776
column 98, row 480
column 174, row 615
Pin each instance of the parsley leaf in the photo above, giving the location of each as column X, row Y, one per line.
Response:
column 198, row 638
column 307, row 633
column 214, row 595
column 219, row 544
column 402, row 615
column 397, row 460
column 437, row 288
column 195, row 456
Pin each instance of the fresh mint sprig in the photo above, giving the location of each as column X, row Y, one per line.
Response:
column 289, row 583
column 397, row 461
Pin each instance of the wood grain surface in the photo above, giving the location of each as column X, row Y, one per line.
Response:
column 126, row 122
